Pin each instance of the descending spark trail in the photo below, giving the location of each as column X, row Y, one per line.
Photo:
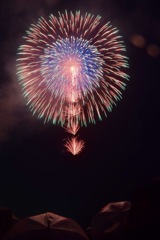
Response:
column 71, row 70
column 74, row 146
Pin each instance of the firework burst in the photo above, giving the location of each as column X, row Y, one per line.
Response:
column 74, row 146
column 71, row 69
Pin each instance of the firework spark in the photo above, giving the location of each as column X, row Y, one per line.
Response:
column 72, row 128
column 71, row 69
column 74, row 146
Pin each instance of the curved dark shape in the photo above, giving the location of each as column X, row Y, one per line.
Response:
column 46, row 226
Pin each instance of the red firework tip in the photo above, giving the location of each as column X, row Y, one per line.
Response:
column 74, row 146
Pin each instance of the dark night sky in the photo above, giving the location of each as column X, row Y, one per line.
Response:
column 122, row 151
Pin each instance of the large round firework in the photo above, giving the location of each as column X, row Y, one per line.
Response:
column 72, row 69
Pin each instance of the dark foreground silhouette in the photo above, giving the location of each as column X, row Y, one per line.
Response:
column 45, row 226
column 144, row 216
column 137, row 220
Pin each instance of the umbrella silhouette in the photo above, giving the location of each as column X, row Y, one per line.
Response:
column 111, row 221
column 46, row 226
column 5, row 220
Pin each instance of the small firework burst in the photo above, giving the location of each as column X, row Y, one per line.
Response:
column 72, row 128
column 74, row 146
column 72, row 69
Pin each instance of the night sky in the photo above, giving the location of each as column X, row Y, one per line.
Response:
column 122, row 151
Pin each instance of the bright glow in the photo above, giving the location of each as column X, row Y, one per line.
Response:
column 72, row 69
column 74, row 146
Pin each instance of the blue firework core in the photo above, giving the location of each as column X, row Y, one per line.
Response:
column 71, row 65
